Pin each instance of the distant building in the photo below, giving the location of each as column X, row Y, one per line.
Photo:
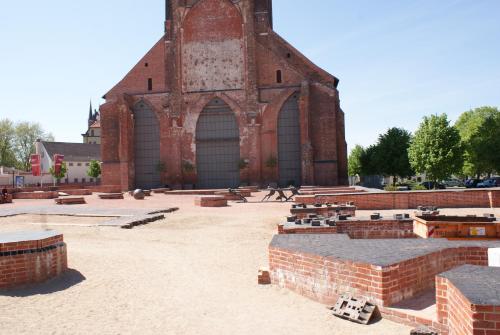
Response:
column 76, row 155
column 93, row 133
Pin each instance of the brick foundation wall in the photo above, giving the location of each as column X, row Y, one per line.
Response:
column 324, row 278
column 410, row 200
column 302, row 213
column 32, row 262
column 36, row 195
column 210, row 201
column 77, row 192
column 359, row 229
column 460, row 315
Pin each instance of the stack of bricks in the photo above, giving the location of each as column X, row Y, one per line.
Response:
column 210, row 201
column 32, row 257
column 478, row 198
column 468, row 300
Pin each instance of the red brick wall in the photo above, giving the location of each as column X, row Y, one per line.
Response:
column 408, row 200
column 463, row 318
column 323, row 279
column 31, row 268
column 152, row 65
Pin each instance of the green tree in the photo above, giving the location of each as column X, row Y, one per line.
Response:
column 26, row 134
column 436, row 148
column 94, row 170
column 354, row 161
column 392, row 154
column 7, row 138
column 62, row 173
column 368, row 160
column 480, row 133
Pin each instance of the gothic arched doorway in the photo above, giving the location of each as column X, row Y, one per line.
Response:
column 146, row 147
column 217, row 147
column 289, row 148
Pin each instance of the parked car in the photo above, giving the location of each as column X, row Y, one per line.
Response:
column 488, row 183
column 472, row 183
column 453, row 183
column 432, row 185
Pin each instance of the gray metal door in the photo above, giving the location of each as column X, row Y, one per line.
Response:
column 146, row 147
column 217, row 147
column 289, row 148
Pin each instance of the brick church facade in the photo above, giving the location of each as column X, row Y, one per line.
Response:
column 222, row 100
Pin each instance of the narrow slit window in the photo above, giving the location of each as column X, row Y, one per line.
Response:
column 279, row 77
column 150, row 84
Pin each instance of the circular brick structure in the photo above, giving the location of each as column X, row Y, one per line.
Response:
column 31, row 257
column 210, row 201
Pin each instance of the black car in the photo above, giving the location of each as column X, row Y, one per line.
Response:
column 472, row 183
column 432, row 185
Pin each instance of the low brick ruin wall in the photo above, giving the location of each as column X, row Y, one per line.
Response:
column 478, row 198
column 210, row 201
column 357, row 229
column 31, row 257
column 443, row 226
column 77, row 192
column 468, row 300
column 385, row 272
column 36, row 195
column 325, row 210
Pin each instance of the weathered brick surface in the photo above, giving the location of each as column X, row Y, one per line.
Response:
column 30, row 262
column 228, row 50
column 409, row 200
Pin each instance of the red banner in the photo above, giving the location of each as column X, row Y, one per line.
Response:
column 58, row 161
column 36, row 165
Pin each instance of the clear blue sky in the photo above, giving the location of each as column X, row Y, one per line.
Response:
column 397, row 60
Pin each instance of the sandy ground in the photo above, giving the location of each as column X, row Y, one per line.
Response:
column 194, row 272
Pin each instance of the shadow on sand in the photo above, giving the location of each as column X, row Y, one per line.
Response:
column 68, row 279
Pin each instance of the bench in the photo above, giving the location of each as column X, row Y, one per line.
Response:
column 70, row 201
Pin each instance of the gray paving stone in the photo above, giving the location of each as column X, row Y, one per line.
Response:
column 124, row 218
column 27, row 236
